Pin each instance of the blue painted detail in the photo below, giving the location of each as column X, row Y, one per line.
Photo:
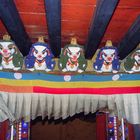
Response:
column 100, row 60
column 74, row 78
column 24, row 125
column 53, row 15
column 31, row 59
column 100, row 21
column 131, row 39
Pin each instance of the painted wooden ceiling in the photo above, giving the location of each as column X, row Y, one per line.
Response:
column 76, row 19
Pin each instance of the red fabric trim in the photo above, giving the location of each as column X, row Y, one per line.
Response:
column 102, row 91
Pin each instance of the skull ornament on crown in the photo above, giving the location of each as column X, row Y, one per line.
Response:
column 10, row 56
column 132, row 61
column 72, row 58
column 107, row 59
column 40, row 57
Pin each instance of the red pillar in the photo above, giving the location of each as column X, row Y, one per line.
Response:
column 101, row 133
column 131, row 132
column 3, row 129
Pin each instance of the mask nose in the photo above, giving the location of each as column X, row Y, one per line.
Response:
column 5, row 50
column 74, row 57
column 109, row 58
column 39, row 56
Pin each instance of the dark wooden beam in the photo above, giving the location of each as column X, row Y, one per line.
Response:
column 53, row 13
column 130, row 40
column 11, row 19
column 100, row 21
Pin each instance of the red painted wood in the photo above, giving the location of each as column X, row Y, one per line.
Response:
column 101, row 133
column 120, row 23
column 2, row 26
column 131, row 132
column 74, row 26
column 36, row 28
column 77, row 12
column 83, row 2
column 130, row 3
column 36, row 6
column 33, row 19
column 4, row 130
column 76, row 18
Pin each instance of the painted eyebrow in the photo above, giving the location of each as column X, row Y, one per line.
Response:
column 44, row 50
column 10, row 45
column 36, row 50
column 68, row 50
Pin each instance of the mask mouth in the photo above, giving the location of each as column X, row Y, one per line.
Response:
column 6, row 55
column 74, row 58
column 109, row 59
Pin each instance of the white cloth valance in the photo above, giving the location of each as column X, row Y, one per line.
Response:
column 29, row 106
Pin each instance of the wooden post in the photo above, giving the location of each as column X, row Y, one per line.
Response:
column 130, row 40
column 11, row 19
column 100, row 21
column 53, row 14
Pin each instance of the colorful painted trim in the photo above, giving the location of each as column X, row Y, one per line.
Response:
column 117, row 129
column 69, row 84
column 112, row 128
column 23, row 130
column 18, row 131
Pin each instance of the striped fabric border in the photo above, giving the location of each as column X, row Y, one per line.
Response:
column 69, row 84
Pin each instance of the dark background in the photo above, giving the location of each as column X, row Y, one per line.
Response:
column 79, row 127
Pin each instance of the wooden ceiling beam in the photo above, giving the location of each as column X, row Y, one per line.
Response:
column 11, row 20
column 53, row 15
column 130, row 40
column 100, row 21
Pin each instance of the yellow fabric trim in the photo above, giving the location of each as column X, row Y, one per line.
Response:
column 81, row 84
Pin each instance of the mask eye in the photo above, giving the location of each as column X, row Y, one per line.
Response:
column 43, row 52
column 77, row 53
column 10, row 48
column 36, row 51
column 105, row 55
column 0, row 48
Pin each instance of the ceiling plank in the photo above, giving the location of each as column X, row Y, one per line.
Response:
column 79, row 2
column 77, row 12
column 11, row 19
column 53, row 14
column 35, row 20
column 100, row 21
column 130, row 40
column 30, row 6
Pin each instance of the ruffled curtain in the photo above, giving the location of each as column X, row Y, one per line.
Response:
column 5, row 112
column 29, row 106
